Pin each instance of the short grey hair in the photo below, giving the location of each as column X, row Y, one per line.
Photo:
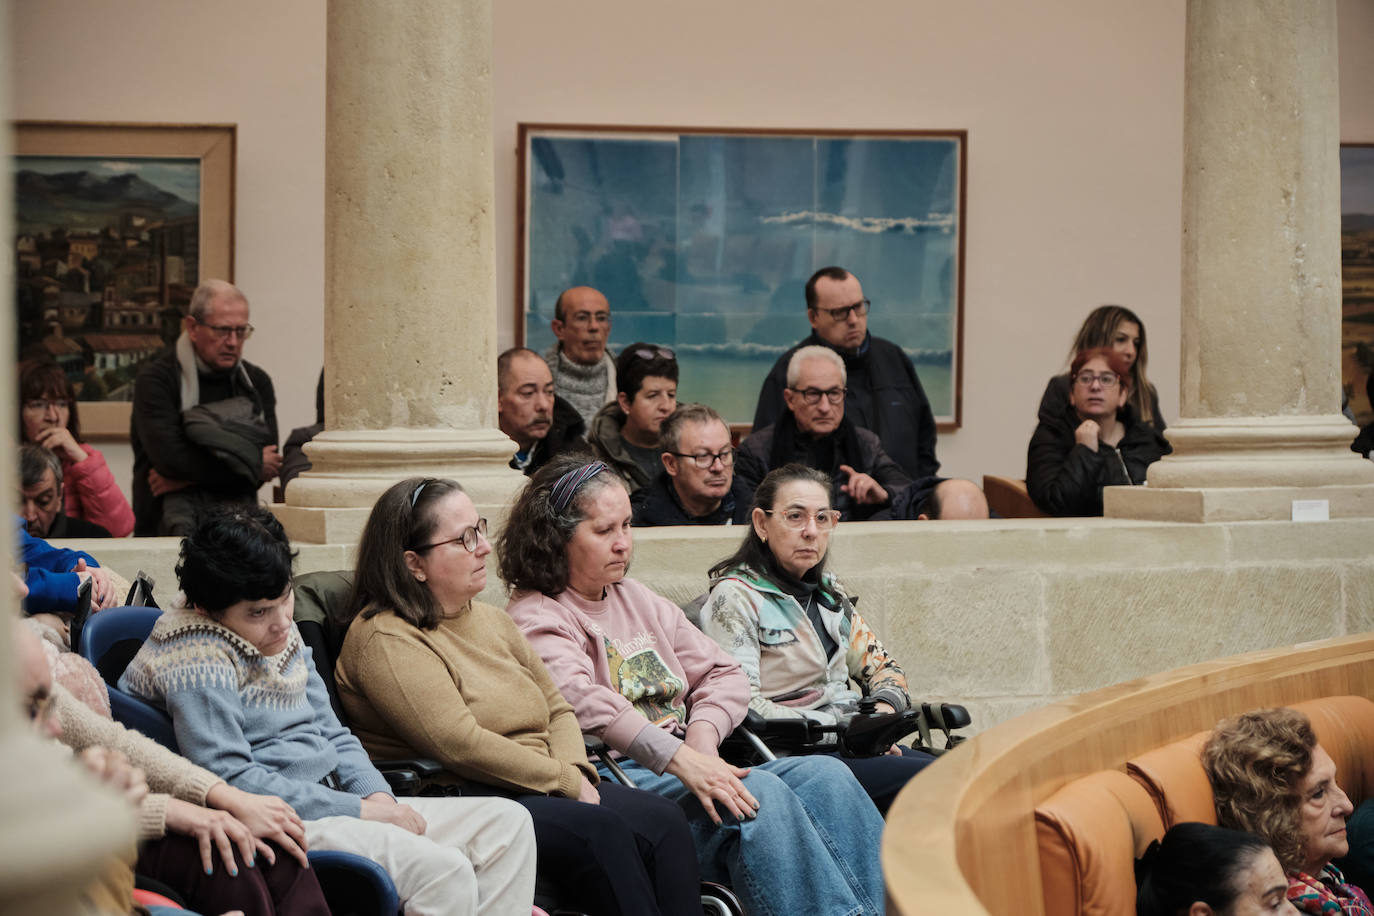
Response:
column 813, row 352
column 670, row 433
column 208, row 292
column 34, row 459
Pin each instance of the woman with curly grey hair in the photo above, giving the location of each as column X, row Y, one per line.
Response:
column 794, row 835
column 1270, row 777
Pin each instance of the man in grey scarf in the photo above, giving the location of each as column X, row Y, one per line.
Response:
column 583, row 372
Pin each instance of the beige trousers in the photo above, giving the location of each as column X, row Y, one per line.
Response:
column 475, row 859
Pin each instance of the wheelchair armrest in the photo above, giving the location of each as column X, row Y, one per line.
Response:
column 407, row 776
column 787, row 732
column 946, row 716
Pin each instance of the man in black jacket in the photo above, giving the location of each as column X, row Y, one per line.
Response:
column 697, row 485
column 814, row 431
column 205, row 367
column 41, row 500
column 883, row 393
column 541, row 423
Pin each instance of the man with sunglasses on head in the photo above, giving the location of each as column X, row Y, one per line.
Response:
column 697, row 485
column 883, row 393
column 625, row 433
column 813, row 430
column 184, row 462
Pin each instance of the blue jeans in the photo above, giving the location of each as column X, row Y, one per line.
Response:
column 812, row 849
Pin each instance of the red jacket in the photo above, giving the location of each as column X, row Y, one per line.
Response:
column 92, row 494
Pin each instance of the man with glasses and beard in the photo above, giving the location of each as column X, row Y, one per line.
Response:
column 814, row 431
column 177, row 475
column 883, row 393
column 697, row 485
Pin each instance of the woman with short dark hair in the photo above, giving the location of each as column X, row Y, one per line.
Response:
column 1201, row 870
column 794, row 835
column 246, row 703
column 426, row 670
column 1270, row 777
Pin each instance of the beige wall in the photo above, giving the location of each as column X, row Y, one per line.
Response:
column 1073, row 110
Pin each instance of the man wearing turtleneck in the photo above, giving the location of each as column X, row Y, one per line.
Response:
column 883, row 393
column 583, row 372
column 205, row 366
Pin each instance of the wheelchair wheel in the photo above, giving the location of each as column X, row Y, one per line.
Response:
column 718, row 900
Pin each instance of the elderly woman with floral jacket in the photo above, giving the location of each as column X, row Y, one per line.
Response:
column 794, row 631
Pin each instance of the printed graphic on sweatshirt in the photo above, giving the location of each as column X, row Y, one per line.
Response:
column 643, row 678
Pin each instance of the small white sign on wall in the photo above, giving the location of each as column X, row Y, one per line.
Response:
column 1311, row 510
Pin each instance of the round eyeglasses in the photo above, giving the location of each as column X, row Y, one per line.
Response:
column 469, row 538
column 797, row 518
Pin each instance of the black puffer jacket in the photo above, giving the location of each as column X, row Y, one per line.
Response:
column 1066, row 479
column 566, row 432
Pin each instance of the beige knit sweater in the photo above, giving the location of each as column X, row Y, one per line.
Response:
column 168, row 775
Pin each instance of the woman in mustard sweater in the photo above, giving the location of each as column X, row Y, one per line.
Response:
column 427, row 671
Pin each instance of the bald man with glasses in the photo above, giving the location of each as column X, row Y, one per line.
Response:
column 813, row 430
column 883, row 393
column 226, row 448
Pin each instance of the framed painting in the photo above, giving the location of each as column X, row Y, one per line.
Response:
column 1357, row 276
column 115, row 225
column 702, row 240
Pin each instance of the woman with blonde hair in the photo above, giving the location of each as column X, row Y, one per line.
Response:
column 1270, row 777
column 1120, row 329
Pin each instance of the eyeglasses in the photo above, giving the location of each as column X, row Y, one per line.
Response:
column 469, row 538
column 654, row 353
column 1107, row 379
column 726, row 457
column 582, row 319
column 43, row 405
column 221, row 331
column 813, row 395
column 797, row 518
column 840, row 314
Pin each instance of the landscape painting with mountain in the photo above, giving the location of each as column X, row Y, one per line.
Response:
column 106, row 258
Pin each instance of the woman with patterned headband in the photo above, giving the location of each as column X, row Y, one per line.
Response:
column 796, row 834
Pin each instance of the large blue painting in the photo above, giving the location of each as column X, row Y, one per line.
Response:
column 703, row 240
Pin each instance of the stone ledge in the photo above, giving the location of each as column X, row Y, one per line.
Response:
column 1232, row 504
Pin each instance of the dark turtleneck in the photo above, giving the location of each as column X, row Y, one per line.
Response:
column 808, row 594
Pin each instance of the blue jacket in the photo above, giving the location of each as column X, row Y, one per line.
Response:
column 52, row 584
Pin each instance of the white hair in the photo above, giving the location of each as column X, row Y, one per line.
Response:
column 813, row 352
column 208, row 292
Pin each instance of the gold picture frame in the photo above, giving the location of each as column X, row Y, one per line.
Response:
column 110, row 146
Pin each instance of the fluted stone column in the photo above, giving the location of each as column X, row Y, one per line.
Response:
column 410, row 288
column 1261, row 373
column 57, row 829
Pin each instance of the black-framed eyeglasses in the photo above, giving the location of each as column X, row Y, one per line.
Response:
column 43, row 405
column 797, row 518
column 654, row 353
column 1107, row 379
column 813, row 395
column 726, row 458
column 221, row 331
column 469, row 538
column 840, row 314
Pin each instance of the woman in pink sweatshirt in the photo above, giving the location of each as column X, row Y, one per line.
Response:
column 794, row 835
column 48, row 417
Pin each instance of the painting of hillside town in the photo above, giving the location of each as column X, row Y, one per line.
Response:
column 1357, row 276
column 702, row 240
column 106, row 258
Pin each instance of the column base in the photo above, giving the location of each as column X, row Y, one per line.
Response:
column 1241, row 468
column 351, row 468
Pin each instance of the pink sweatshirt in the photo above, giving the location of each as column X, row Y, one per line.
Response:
column 92, row 494
column 633, row 667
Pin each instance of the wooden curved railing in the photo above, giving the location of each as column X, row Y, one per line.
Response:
column 961, row 837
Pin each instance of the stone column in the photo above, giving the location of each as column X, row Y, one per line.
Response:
column 1261, row 373
column 410, row 288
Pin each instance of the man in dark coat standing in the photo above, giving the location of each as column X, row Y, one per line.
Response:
column 883, row 393
column 541, row 423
